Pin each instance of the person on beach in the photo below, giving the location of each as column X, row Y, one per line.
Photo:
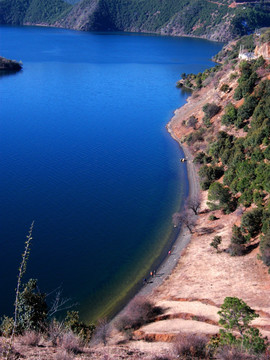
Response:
column 151, row 273
column 144, row 281
column 169, row 252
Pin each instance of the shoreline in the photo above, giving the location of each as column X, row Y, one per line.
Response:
column 167, row 265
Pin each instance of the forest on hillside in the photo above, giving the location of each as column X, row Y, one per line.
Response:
column 215, row 20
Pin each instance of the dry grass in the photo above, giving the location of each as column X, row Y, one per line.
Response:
column 102, row 332
column 31, row 338
column 71, row 343
column 63, row 355
column 56, row 332
column 234, row 353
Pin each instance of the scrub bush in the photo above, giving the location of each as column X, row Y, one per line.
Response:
column 71, row 343
column 191, row 346
column 31, row 338
column 140, row 311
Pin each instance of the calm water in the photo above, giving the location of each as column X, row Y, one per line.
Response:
column 85, row 153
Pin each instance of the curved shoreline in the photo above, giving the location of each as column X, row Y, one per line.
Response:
column 167, row 266
column 184, row 237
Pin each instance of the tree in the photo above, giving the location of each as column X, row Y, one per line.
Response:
column 210, row 110
column 32, row 308
column 251, row 222
column 73, row 323
column 22, row 270
column 236, row 316
column 220, row 197
column 238, row 240
column 183, row 76
column 208, row 174
column 188, row 220
column 246, row 110
column 230, row 115
column 191, row 122
column 59, row 303
column 194, row 205
column 237, row 236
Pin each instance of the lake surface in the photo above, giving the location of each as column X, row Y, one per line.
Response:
column 85, row 153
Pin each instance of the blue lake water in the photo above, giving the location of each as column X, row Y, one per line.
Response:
column 85, row 153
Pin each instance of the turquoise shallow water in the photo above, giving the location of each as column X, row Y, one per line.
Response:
column 85, row 153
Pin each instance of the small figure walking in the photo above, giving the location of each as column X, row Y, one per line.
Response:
column 154, row 273
column 151, row 273
column 144, row 281
column 169, row 252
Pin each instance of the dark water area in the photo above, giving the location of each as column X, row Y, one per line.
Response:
column 85, row 153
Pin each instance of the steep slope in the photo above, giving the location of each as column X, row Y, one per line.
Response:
column 83, row 16
column 19, row 12
column 187, row 17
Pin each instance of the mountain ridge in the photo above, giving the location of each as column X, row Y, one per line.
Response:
column 220, row 20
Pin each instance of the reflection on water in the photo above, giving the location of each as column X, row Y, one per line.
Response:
column 185, row 91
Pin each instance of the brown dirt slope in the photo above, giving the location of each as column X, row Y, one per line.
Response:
column 203, row 278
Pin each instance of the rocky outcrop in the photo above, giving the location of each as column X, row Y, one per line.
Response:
column 9, row 65
column 81, row 17
column 263, row 50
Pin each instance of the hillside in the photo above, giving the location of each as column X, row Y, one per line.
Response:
column 220, row 20
column 22, row 12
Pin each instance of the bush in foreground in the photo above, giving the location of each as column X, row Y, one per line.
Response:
column 140, row 311
column 235, row 318
column 191, row 346
column 31, row 338
column 233, row 353
column 71, row 343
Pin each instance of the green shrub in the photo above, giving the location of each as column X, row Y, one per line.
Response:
column 32, row 308
column 6, row 326
column 216, row 242
column 212, row 217
column 246, row 110
column 210, row 110
column 78, row 327
column 237, row 236
column 235, row 317
column 251, row 222
column 220, row 198
column 233, row 76
column 230, row 115
column 225, row 88
column 211, row 173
